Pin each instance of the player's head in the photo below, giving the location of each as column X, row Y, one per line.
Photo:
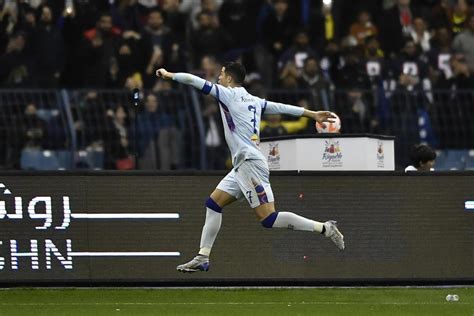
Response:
column 232, row 74
column 423, row 157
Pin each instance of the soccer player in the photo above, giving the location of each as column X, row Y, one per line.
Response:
column 241, row 114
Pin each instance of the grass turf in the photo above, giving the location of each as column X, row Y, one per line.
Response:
column 308, row 301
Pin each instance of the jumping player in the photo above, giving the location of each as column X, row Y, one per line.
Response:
column 241, row 114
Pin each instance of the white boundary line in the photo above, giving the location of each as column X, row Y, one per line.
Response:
column 125, row 254
column 231, row 303
column 125, row 215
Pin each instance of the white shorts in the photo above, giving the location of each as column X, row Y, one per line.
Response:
column 250, row 181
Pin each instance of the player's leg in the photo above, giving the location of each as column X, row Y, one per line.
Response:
column 227, row 191
column 253, row 177
column 214, row 205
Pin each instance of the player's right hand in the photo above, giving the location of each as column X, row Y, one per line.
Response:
column 163, row 74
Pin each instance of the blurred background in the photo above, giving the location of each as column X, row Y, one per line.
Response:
column 67, row 70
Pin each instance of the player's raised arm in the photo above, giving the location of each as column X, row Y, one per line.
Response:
column 205, row 86
column 281, row 108
column 181, row 77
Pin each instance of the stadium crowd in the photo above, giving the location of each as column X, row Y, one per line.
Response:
column 318, row 46
column 110, row 44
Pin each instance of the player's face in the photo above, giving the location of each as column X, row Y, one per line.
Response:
column 223, row 78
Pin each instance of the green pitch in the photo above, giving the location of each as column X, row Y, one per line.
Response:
column 310, row 301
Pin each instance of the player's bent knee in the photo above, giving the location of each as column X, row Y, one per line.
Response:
column 211, row 204
column 268, row 221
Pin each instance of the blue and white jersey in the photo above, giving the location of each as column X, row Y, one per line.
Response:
column 241, row 114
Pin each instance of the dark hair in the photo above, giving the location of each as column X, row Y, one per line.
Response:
column 236, row 71
column 422, row 154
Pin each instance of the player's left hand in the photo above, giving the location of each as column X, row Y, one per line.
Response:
column 324, row 116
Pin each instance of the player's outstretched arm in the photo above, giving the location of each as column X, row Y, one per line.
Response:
column 186, row 78
column 281, row 108
column 319, row 116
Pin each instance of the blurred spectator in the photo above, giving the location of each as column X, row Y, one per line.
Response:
column 175, row 20
column 439, row 58
column 363, row 27
column 208, row 39
column 289, row 76
column 323, row 27
column 277, row 29
column 375, row 65
column 99, row 50
column 92, row 118
column 411, row 71
column 273, row 126
column 422, row 158
column 49, row 50
column 16, row 65
column 356, row 111
column 298, row 52
column 34, row 128
column 420, row 34
column 193, row 7
column 352, row 74
column 397, row 23
column 463, row 77
column 127, row 15
column 158, row 137
column 238, row 18
column 331, row 60
column 312, row 79
column 116, row 142
column 170, row 140
column 148, row 130
column 464, row 42
column 216, row 151
column 154, row 38
column 130, row 58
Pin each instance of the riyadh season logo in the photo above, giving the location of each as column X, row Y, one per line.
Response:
column 273, row 156
column 380, row 155
column 332, row 156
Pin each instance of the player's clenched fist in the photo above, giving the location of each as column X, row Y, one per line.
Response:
column 162, row 73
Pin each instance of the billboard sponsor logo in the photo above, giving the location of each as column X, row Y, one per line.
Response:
column 273, row 156
column 332, row 156
column 380, row 155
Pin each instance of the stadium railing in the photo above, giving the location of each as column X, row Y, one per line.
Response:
column 101, row 129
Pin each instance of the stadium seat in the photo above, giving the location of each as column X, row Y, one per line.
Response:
column 36, row 159
column 64, row 159
column 90, row 159
column 440, row 159
column 470, row 160
column 454, row 159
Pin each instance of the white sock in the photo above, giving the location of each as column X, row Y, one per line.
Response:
column 210, row 231
column 292, row 221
